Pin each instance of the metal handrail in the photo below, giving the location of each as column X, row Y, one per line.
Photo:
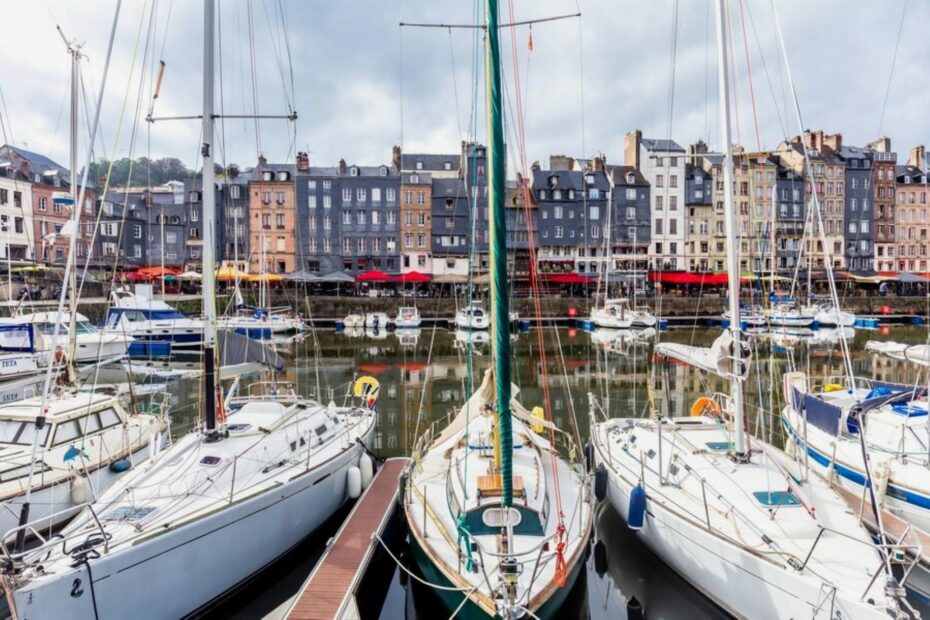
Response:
column 12, row 557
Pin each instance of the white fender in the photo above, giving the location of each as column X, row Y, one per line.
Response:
column 79, row 490
column 367, row 469
column 354, row 482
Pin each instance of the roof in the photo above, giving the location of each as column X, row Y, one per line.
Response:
column 37, row 162
column 912, row 172
column 253, row 174
column 62, row 406
column 448, row 188
column 569, row 179
column 416, row 178
column 429, row 161
column 665, row 146
column 621, row 172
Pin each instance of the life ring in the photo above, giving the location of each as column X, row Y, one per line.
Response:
column 705, row 406
column 368, row 389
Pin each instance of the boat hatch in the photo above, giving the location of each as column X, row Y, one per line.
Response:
column 488, row 520
column 132, row 514
column 777, row 498
column 719, row 446
column 238, row 428
column 210, row 461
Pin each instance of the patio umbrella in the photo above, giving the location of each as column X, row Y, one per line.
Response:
column 567, row 278
column 450, row 278
column 336, row 277
column 230, row 273
column 374, row 275
column 265, row 277
column 190, row 275
column 911, row 278
column 301, row 275
column 414, row 277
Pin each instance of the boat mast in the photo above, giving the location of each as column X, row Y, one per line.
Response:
column 75, row 53
column 500, row 312
column 209, row 217
column 736, row 385
column 607, row 237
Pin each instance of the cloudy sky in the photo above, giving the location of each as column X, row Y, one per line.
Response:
column 360, row 83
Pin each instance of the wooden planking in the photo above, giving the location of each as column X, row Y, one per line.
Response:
column 328, row 585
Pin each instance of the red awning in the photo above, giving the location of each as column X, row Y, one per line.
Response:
column 684, row 277
column 373, row 276
column 566, row 278
column 158, row 272
column 414, row 277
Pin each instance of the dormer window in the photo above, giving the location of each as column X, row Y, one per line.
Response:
column 283, row 175
column 353, row 171
column 414, row 178
column 447, row 165
column 630, row 178
column 589, row 179
column 553, row 180
column 267, row 176
column 194, row 197
column 419, row 165
column 384, row 171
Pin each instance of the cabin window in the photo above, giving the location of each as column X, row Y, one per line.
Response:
column 22, row 433
column 109, row 417
column 89, row 424
column 66, row 432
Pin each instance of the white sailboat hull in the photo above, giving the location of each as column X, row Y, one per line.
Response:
column 736, row 580
column 832, row 318
column 180, row 570
column 465, row 322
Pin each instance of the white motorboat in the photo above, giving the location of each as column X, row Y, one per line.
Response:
column 827, row 315
column 143, row 318
column 201, row 507
column 618, row 314
column 377, row 320
column 750, row 315
column 91, row 344
column 472, row 317
column 261, row 324
column 86, row 443
column 353, row 320
column 19, row 358
column 408, row 317
column 787, row 314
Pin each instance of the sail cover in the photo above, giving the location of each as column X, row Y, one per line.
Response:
column 236, row 349
column 919, row 354
column 713, row 359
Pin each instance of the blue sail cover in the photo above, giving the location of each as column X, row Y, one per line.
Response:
column 823, row 415
column 17, row 338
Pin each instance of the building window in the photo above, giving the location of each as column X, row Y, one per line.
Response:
column 42, row 203
column 346, row 195
column 327, row 202
column 136, row 231
column 311, row 202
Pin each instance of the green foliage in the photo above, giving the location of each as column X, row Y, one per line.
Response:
column 145, row 171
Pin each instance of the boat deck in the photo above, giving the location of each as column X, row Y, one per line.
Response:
column 331, row 584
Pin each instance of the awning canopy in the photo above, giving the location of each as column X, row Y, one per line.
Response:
column 414, row 277
column 230, row 273
column 566, row 278
column 265, row 277
column 684, row 277
column 911, row 278
column 375, row 275
column 450, row 278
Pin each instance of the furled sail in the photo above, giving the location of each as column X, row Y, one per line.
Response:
column 918, row 353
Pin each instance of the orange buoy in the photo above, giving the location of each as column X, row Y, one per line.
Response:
column 705, row 406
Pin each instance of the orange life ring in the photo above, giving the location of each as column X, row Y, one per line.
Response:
column 705, row 406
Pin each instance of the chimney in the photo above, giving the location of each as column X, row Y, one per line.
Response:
column 395, row 157
column 342, row 167
column 882, row 145
column 535, row 166
column 631, row 143
column 698, row 148
column 303, row 162
column 262, row 162
column 814, row 139
column 599, row 162
column 834, row 141
column 560, row 162
column 917, row 157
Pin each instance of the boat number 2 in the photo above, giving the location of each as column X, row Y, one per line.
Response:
column 76, row 589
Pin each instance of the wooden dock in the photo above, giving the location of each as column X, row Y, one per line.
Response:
column 329, row 591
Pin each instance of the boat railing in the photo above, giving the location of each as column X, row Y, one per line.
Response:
column 272, row 391
column 88, row 536
column 820, row 384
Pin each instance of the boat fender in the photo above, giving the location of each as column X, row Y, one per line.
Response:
column 882, row 474
column 354, row 482
column 600, row 558
column 634, row 609
column 79, row 490
column 637, row 512
column 589, row 456
column 540, row 414
column 600, row 483
column 367, row 469
column 120, row 466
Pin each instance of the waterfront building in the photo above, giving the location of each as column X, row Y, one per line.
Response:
column 755, row 181
column 789, row 218
column 700, row 208
column 859, row 217
column 522, row 213
column 884, row 181
column 272, row 218
column 630, row 232
column 416, row 199
column 460, row 217
column 911, row 213
column 232, row 214
column 662, row 163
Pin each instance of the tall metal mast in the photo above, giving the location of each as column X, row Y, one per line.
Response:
column 209, row 234
column 736, row 381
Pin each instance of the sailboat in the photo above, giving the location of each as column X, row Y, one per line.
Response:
column 732, row 515
column 499, row 521
column 262, row 473
column 617, row 313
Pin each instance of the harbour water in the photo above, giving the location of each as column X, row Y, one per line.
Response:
column 424, row 375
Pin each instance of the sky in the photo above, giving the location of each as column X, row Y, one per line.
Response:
column 360, row 83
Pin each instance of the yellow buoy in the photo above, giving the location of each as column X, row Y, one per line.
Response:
column 539, row 414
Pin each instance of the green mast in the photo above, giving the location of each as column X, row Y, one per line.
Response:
column 500, row 310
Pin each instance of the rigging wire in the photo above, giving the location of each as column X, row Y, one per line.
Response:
column 894, row 59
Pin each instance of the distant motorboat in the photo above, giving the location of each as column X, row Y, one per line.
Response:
column 377, row 320
column 472, row 316
column 408, row 317
column 618, row 314
column 91, row 343
column 353, row 319
column 151, row 320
